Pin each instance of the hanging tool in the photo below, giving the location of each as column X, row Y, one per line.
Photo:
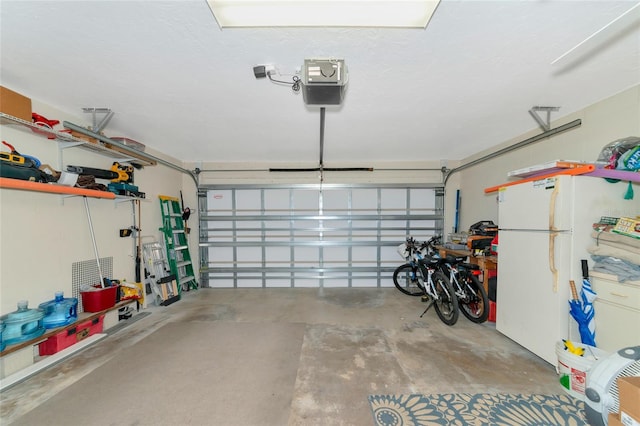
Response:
column 186, row 212
column 138, row 237
column 137, row 229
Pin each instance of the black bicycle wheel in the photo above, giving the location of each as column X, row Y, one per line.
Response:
column 405, row 278
column 475, row 305
column 447, row 303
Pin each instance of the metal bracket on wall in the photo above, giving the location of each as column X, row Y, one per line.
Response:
column 546, row 134
column 534, row 113
column 99, row 126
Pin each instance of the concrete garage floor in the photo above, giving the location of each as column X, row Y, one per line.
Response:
column 351, row 343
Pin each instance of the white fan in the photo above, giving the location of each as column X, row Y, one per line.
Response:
column 601, row 394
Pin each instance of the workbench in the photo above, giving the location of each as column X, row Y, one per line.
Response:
column 486, row 263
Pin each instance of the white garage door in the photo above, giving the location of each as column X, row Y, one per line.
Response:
column 304, row 236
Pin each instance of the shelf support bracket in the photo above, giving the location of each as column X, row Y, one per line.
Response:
column 545, row 125
column 99, row 126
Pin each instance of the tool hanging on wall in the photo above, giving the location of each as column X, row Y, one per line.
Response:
column 186, row 213
column 138, row 239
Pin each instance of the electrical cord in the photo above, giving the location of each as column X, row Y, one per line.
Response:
column 295, row 85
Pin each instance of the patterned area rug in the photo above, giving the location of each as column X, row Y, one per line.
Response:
column 477, row 409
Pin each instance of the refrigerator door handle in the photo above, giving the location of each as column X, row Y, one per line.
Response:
column 552, row 259
column 552, row 207
column 552, row 235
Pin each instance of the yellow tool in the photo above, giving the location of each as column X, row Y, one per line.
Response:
column 576, row 350
column 118, row 172
column 124, row 171
column 13, row 158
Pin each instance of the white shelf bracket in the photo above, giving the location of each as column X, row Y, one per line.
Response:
column 545, row 125
column 99, row 126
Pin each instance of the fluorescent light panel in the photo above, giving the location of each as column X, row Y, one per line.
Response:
column 328, row 13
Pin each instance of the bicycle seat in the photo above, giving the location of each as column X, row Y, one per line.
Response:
column 454, row 260
column 470, row 266
column 432, row 261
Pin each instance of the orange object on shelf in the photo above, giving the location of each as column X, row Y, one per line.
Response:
column 27, row 185
column 549, row 167
column 573, row 172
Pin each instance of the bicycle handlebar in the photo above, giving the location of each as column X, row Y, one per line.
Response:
column 413, row 247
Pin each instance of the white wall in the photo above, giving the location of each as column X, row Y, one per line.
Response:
column 613, row 118
column 43, row 234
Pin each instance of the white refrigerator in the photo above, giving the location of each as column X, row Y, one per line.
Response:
column 544, row 231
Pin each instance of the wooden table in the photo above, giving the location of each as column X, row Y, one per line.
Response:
column 486, row 263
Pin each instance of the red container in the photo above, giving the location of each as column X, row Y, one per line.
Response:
column 492, row 311
column 70, row 336
column 100, row 299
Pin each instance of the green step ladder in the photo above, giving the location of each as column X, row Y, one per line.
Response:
column 175, row 239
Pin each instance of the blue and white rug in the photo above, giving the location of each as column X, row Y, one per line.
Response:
column 462, row 409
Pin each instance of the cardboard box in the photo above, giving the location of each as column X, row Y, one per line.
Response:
column 614, row 420
column 70, row 336
column 629, row 391
column 15, row 104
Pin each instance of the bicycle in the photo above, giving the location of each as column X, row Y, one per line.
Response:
column 472, row 297
column 421, row 276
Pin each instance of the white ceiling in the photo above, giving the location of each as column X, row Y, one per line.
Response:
column 179, row 84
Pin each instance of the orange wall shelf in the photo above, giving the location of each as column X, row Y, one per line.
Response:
column 26, row 185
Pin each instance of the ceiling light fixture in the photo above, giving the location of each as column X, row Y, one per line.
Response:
column 323, row 13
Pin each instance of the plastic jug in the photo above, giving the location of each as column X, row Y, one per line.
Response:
column 59, row 311
column 23, row 324
column 2, row 344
